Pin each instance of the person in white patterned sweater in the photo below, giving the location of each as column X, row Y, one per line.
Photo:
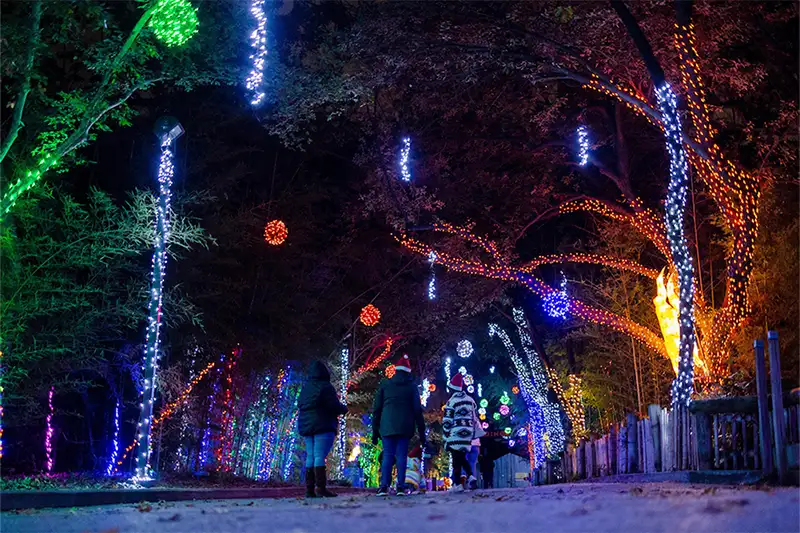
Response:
column 459, row 427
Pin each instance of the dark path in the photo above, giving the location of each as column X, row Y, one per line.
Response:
column 668, row 508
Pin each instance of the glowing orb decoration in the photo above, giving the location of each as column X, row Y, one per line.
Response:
column 485, row 425
column 491, row 369
column 275, row 232
column 496, row 416
column 370, row 315
column 390, row 371
column 507, row 431
column 511, row 443
column 484, row 403
column 522, row 432
column 481, row 411
column 515, row 389
column 468, row 379
column 432, row 387
column 470, row 389
column 482, row 417
column 174, row 22
column 464, row 348
column 505, row 399
column 504, row 410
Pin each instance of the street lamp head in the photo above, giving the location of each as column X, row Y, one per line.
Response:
column 167, row 129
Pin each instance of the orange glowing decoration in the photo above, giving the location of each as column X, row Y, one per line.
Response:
column 275, row 232
column 515, row 389
column 666, row 303
column 432, row 387
column 370, row 315
column 390, row 371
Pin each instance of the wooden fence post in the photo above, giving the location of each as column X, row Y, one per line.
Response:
column 764, row 433
column 654, row 412
column 633, row 459
column 622, row 450
column 778, row 423
column 612, row 450
column 704, row 440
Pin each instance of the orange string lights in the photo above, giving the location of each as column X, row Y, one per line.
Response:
column 372, row 365
column 275, row 232
column 370, row 315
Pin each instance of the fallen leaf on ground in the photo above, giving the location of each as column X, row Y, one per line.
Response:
column 144, row 507
column 173, row 518
column 436, row 517
column 636, row 491
column 251, row 503
column 503, row 498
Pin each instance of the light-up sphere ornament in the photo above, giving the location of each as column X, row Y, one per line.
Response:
column 275, row 232
column 496, row 416
column 432, row 387
column 583, row 145
column 470, row 389
column 515, row 389
column 390, row 371
column 491, row 369
column 481, row 411
column 522, row 432
column 464, row 348
column 505, row 399
column 504, row 410
column 468, row 379
column 512, row 443
column 484, row 403
column 507, row 431
column 485, row 425
column 556, row 303
column 482, row 416
column 370, row 315
column 174, row 22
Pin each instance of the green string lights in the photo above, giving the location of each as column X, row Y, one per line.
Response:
column 174, row 22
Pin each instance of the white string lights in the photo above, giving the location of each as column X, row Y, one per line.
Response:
column 115, row 442
column 167, row 131
column 447, row 369
column 426, row 392
column 583, row 145
column 556, row 304
column 674, row 220
column 258, row 41
column 48, row 436
column 464, row 348
column 432, row 283
column 341, row 443
column 405, row 154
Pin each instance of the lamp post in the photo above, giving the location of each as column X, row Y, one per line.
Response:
column 167, row 130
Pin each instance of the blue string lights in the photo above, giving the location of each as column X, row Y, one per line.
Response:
column 115, row 442
column 556, row 304
column 258, row 41
column 674, row 220
column 405, row 154
column 583, row 145
column 167, row 130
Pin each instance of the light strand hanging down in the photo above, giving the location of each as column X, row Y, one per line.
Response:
column 426, row 392
column 556, row 304
column 258, row 41
column 167, row 130
column 114, row 442
column 405, row 153
column 1, row 404
column 674, row 220
column 583, row 145
column 432, row 282
column 447, row 369
column 48, row 436
column 341, row 443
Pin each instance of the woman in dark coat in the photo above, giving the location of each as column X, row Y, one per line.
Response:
column 319, row 410
column 396, row 414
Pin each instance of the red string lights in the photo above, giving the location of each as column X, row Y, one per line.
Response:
column 372, row 365
column 275, row 232
column 370, row 315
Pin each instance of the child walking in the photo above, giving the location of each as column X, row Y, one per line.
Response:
column 460, row 427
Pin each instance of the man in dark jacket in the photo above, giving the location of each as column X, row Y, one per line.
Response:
column 397, row 412
column 319, row 408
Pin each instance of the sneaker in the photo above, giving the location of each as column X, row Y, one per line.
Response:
column 456, row 488
column 472, row 483
column 383, row 491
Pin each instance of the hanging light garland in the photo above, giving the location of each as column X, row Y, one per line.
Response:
column 504, row 410
column 556, row 303
column 48, row 436
column 370, row 315
column 447, row 369
column 432, row 281
column 480, row 390
column 258, row 41
column 405, row 153
column 464, row 348
column 341, row 443
column 426, row 392
column 114, row 441
column 174, row 22
column 583, row 145
column 275, row 232
column 674, row 220
column 372, row 365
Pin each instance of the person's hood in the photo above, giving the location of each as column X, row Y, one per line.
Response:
column 401, row 377
column 318, row 371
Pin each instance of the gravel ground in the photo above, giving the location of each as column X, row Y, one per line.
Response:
column 579, row 507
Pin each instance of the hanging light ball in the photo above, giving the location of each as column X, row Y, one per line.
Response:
column 507, row 431
column 390, row 371
column 511, row 443
column 504, row 410
column 468, row 379
column 496, row 416
column 470, row 389
column 275, row 232
column 484, row 403
column 482, row 417
column 432, row 387
column 485, row 425
column 505, row 399
column 464, row 348
column 174, row 22
column 515, row 389
column 370, row 315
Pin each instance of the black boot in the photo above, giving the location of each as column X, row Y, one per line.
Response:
column 322, row 481
column 310, row 477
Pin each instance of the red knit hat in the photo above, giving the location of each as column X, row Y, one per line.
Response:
column 403, row 364
column 457, row 382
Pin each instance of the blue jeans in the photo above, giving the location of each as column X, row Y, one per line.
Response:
column 472, row 459
column 395, row 450
column 318, row 447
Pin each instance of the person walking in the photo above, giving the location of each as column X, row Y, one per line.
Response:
column 487, row 469
column 396, row 413
column 459, row 428
column 319, row 409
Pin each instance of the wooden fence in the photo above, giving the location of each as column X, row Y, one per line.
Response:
column 739, row 433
